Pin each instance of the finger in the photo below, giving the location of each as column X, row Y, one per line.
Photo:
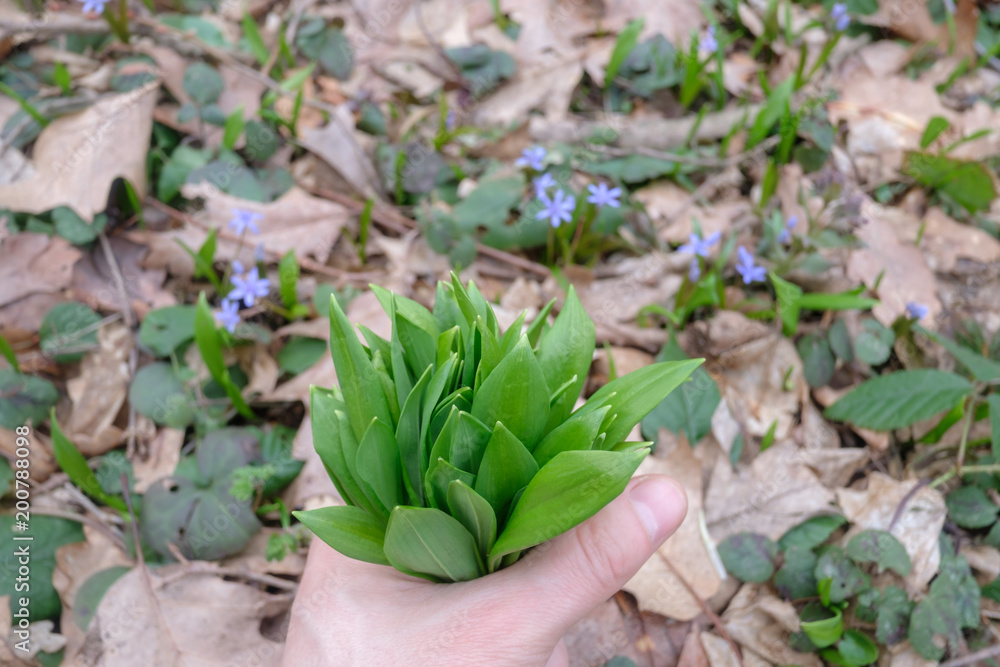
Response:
column 564, row 580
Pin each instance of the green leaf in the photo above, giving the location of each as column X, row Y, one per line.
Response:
column 158, row 393
column 774, row 109
column 626, row 41
column 899, row 399
column 812, row 532
column 788, row 303
column 845, row 577
column 633, row 396
column 90, row 594
column 970, row 507
column 881, row 548
column 328, row 45
column 75, row 465
column 350, row 530
column 993, row 401
column 935, row 126
column 968, row 183
column 577, row 432
column 842, row 301
column 438, row 479
column 749, row 556
column 797, row 579
column 66, row 328
column 874, row 344
column 358, row 380
column 981, row 368
column 288, row 277
column 24, row 399
column 256, row 43
column 324, row 408
column 475, row 513
column 75, row 229
column 203, row 83
column 8, row 353
column 48, row 534
column 233, row 128
column 300, row 353
column 566, row 350
column 854, row 650
column 817, row 359
column 206, row 336
column 893, row 617
column 516, row 394
column 507, row 468
column 165, row 329
column 689, row 409
column 823, row 626
column 194, row 509
column 840, row 341
column 378, row 464
column 183, row 160
column 430, row 543
column 567, row 490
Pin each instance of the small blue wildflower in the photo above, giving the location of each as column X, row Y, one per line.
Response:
column 248, row 288
column 531, row 157
column 916, row 311
column 244, row 220
column 841, row 19
column 559, row 209
column 602, row 195
column 96, row 6
column 542, row 184
column 258, row 253
column 751, row 273
column 238, row 269
column 698, row 246
column 785, row 236
column 449, row 120
column 228, row 315
column 695, row 271
column 708, row 44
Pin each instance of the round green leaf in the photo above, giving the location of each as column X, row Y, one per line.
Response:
column 66, row 328
column 817, row 359
column 300, row 353
column 854, row 650
column 48, row 533
column 158, row 393
column 881, row 548
column 874, row 344
column 811, row 532
column 89, row 596
column 24, row 398
column 203, row 83
column 970, row 507
column 166, row 329
column 844, row 577
column 749, row 556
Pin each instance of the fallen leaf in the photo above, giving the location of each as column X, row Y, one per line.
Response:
column 777, row 491
column 693, row 653
column 94, row 283
column 34, row 264
column 78, row 156
column 911, row 20
column 945, row 242
column 983, row 559
column 718, row 651
column 835, row 467
column 918, row 526
column 253, row 558
column 756, row 619
column 673, row 213
column 338, row 144
column 899, row 269
column 43, row 463
column 655, row 586
column 202, row 621
column 260, row 367
column 162, row 456
column 98, row 392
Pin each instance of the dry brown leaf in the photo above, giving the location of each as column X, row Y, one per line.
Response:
column 253, row 559
column 918, row 526
column 983, row 559
column 911, row 20
column 338, row 144
column 641, row 281
column 98, row 392
column 598, row 636
column 775, row 492
column 202, row 621
column 75, row 563
column 34, row 264
column 835, row 467
column 94, row 283
column 673, row 213
column 162, row 456
column 260, row 367
column 693, row 653
column 78, row 156
column 758, row 620
column 43, row 463
column 904, row 655
column 625, row 360
column 718, row 651
column 899, row 269
column 945, row 242
column 296, row 221
column 655, row 586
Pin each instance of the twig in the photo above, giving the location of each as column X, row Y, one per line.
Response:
column 983, row 654
column 203, row 567
column 84, row 519
column 906, row 499
column 695, row 160
column 712, row 616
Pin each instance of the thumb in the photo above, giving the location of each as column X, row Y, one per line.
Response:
column 565, row 579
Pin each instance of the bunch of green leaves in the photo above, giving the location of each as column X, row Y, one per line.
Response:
column 456, row 445
column 806, row 563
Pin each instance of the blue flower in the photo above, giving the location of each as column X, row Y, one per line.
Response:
column 695, row 271
column 841, row 19
column 228, row 315
column 785, row 235
column 449, row 120
column 238, row 269
column 244, row 220
column 602, row 195
column 698, row 246
column 542, row 184
column 258, row 253
column 531, row 157
column 96, row 6
column 708, row 43
column 559, row 209
column 751, row 273
column 916, row 311
column 248, row 288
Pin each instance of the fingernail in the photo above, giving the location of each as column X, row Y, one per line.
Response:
column 654, row 499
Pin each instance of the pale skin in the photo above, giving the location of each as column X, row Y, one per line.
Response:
column 348, row 612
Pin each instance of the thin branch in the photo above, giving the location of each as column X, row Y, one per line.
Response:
column 984, row 654
column 203, row 567
column 906, row 499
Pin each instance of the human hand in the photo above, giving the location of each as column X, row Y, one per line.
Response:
column 349, row 613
